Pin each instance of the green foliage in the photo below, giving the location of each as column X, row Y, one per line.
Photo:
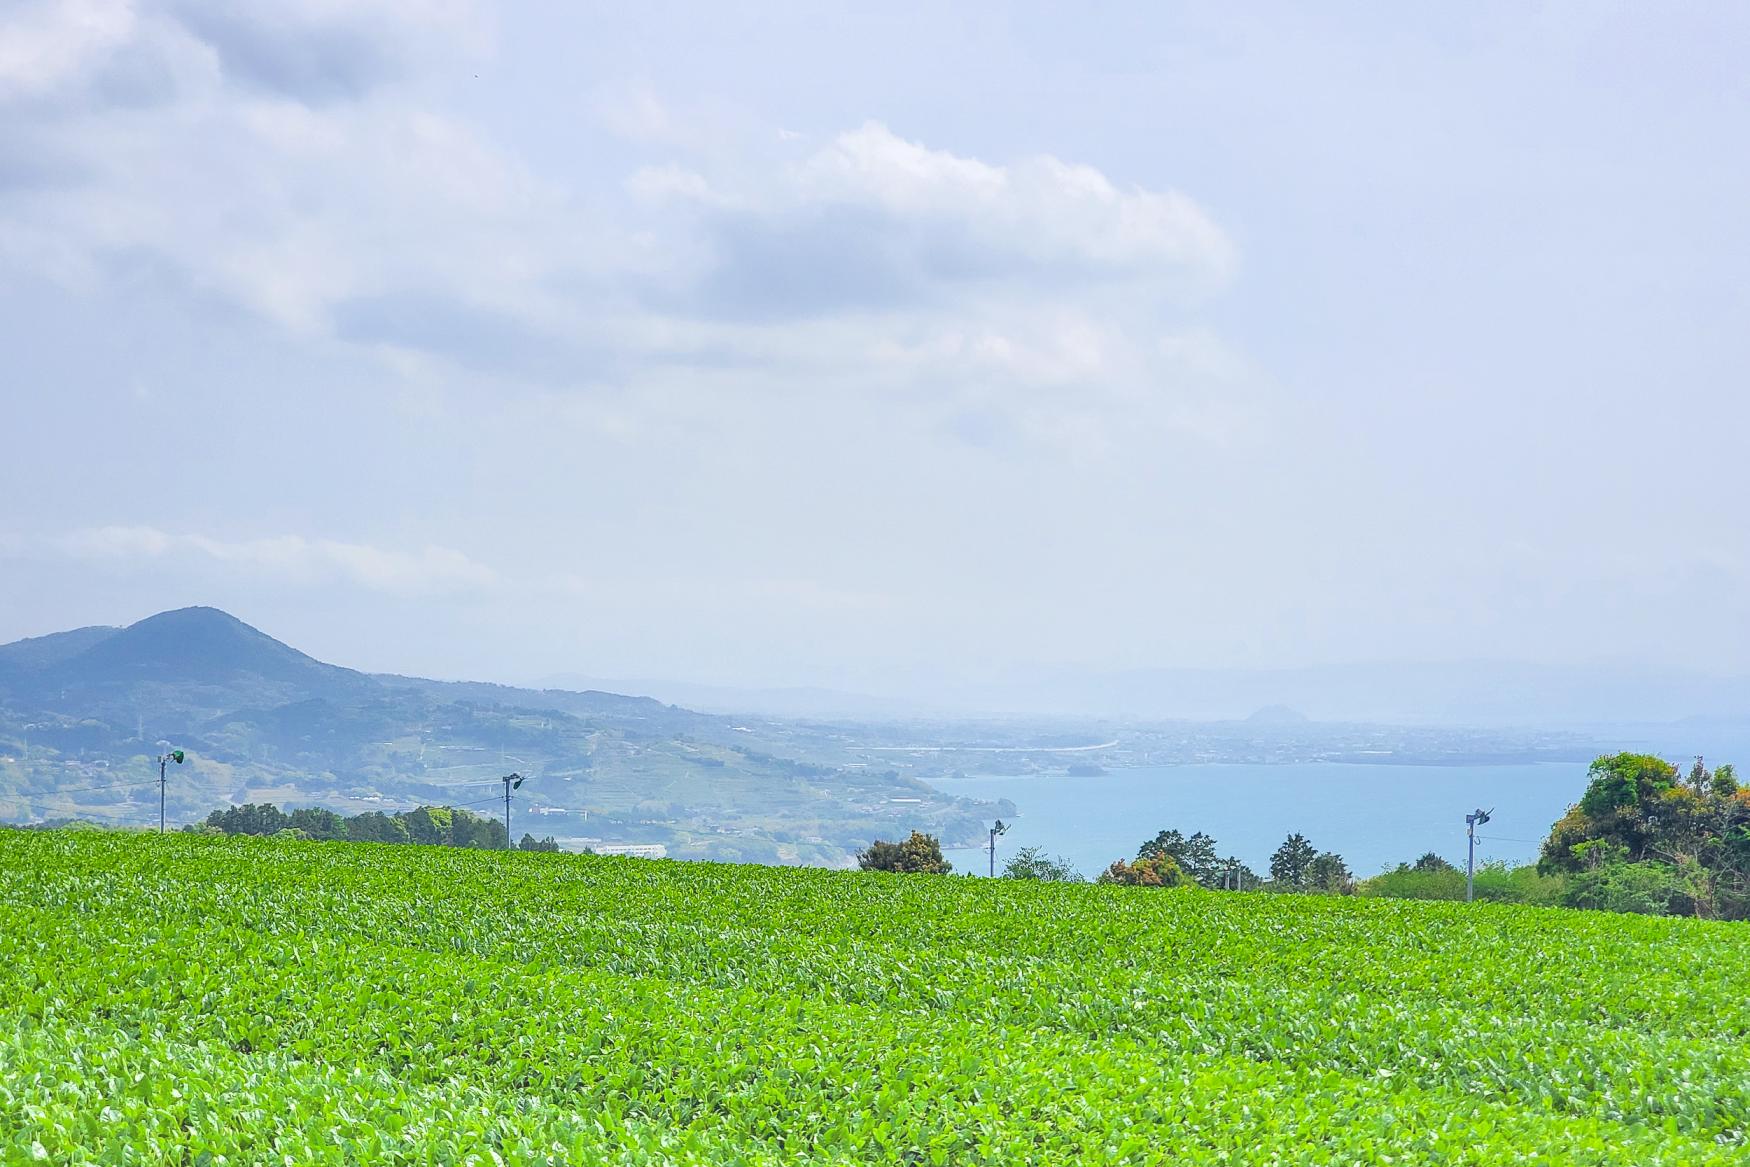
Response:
column 1639, row 810
column 1291, row 864
column 437, row 826
column 1412, row 883
column 1195, row 856
column 1650, row 889
column 1329, row 874
column 530, row 843
column 1034, row 863
column 919, row 855
column 211, row 1000
column 1526, row 884
column 1432, row 878
column 1159, row 871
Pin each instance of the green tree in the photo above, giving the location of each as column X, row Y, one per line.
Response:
column 1328, row 873
column 919, row 855
column 1639, row 809
column 1033, row 863
column 250, row 819
column 1291, row 862
column 376, row 827
column 1195, row 855
column 317, row 823
column 1651, row 889
column 431, row 825
column 1160, row 871
column 530, row 843
column 1429, row 861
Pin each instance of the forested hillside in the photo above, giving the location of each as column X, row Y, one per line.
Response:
column 82, row 713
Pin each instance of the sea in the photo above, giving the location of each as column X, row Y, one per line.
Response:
column 1375, row 816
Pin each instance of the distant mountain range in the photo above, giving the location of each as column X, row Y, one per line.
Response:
column 82, row 714
column 1454, row 693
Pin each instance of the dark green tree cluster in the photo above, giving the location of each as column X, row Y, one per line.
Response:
column 437, row 826
column 530, row 843
column 1197, row 858
column 1298, row 866
column 1646, row 837
column 919, row 855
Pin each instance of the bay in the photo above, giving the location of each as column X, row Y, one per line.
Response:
column 1374, row 815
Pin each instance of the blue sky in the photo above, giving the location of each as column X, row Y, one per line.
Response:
column 866, row 346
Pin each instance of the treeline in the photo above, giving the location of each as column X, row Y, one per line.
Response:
column 1174, row 859
column 1645, row 837
column 432, row 826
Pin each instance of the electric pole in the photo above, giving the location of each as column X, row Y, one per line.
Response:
column 172, row 756
column 511, row 782
column 1471, row 822
column 996, row 830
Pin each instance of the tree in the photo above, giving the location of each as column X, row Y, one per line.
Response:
column 921, row 855
column 1160, row 871
column 317, row 823
column 1033, row 863
column 250, row 819
column 430, row 825
column 1195, row 855
column 1290, row 863
column 1651, row 889
column 1328, row 873
column 1431, row 862
column 374, row 826
column 530, row 843
column 1638, row 809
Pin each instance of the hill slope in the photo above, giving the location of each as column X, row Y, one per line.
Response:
column 82, row 713
column 360, row 1004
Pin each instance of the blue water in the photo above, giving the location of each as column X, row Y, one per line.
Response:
column 1375, row 816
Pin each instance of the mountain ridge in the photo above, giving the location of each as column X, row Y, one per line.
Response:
column 82, row 714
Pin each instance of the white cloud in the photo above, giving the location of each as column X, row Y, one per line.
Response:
column 291, row 558
column 283, row 168
column 52, row 42
column 1050, row 212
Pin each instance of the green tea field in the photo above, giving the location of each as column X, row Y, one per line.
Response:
column 189, row 1000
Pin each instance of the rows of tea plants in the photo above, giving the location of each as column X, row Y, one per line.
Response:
column 199, row 1000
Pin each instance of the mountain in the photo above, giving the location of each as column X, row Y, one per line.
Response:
column 1277, row 715
column 82, row 714
column 190, row 661
column 41, row 652
column 793, row 701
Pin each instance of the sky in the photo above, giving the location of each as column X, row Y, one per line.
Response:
column 866, row 346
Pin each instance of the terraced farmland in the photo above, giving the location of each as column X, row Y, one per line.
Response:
column 206, row 1001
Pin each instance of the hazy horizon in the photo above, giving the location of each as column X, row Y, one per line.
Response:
column 892, row 352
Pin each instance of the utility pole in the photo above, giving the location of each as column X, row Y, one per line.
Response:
column 996, row 830
column 1471, row 822
column 172, row 756
column 511, row 782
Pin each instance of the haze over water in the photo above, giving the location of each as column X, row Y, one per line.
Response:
column 1373, row 815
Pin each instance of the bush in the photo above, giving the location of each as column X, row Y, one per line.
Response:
column 1519, row 885
column 919, row 855
column 1648, row 889
column 1409, row 883
column 1160, row 871
column 1034, row 863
